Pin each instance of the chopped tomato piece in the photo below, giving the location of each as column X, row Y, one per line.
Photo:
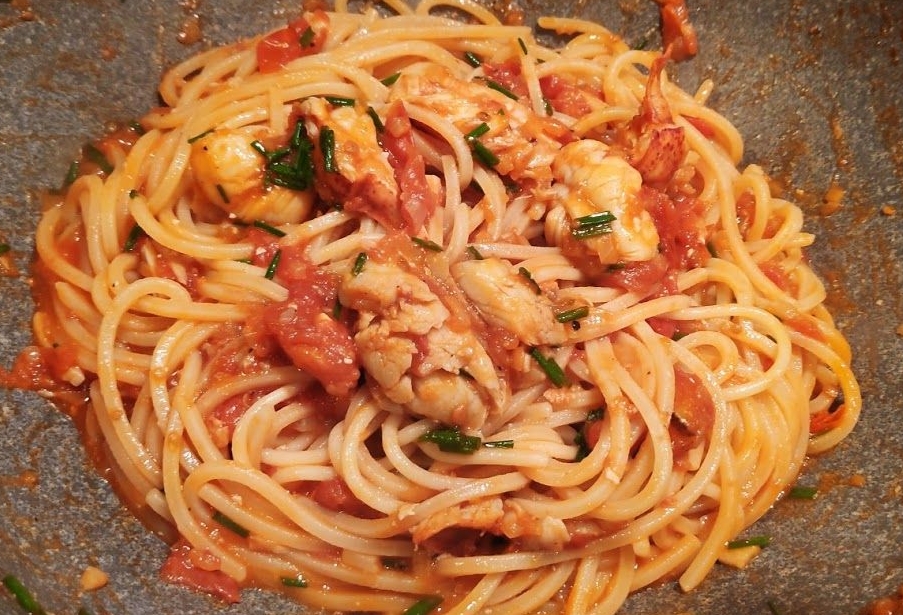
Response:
column 304, row 328
column 302, row 37
column 181, row 568
column 507, row 74
column 564, row 96
column 335, row 495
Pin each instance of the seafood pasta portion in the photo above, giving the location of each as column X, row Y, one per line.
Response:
column 402, row 311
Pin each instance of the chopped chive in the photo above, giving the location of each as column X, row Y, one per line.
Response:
column 230, row 525
column 484, row 154
column 359, row 263
column 133, row 194
column 529, row 277
column 612, row 267
column 200, row 135
column 574, row 314
column 474, row 253
column 472, row 59
column 272, row 230
column 299, row 133
column 327, row 147
column 451, row 440
column 498, row 87
column 71, row 174
column 377, row 123
column 22, row 595
column 307, row 37
column 426, row 244
column 602, row 217
column 271, row 268
column 499, row 444
column 803, row 493
column 523, row 45
column 340, row 101
column 752, row 541
column 4, row 248
column 136, row 127
column 222, row 193
column 550, row 367
column 336, row 309
column 477, row 132
column 596, row 414
column 595, row 230
column 394, row 563
column 97, row 157
column 257, row 145
column 547, row 105
column 391, row 79
column 297, row 581
column 424, row 605
column 132, row 238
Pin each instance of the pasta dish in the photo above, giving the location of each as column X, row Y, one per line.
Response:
column 404, row 310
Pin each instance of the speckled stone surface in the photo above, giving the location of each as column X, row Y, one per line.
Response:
column 816, row 88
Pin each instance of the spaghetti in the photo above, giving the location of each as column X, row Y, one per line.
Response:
column 394, row 310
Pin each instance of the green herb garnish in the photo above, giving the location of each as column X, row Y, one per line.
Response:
column 230, row 525
column 377, row 123
column 498, row 87
column 472, row 59
column 132, row 238
column 477, row 132
column 529, row 277
column 307, row 37
column 424, row 605
column 22, row 595
column 291, row 166
column 391, row 79
column 523, row 45
column 593, row 225
column 484, row 154
column 752, row 541
column 474, row 253
column 200, row 135
column 71, row 174
column 297, row 581
column 97, row 157
column 571, row 315
column 272, row 230
column 136, row 127
column 451, row 440
column 340, row 101
column 803, row 493
column 222, row 193
column 327, row 148
column 427, row 244
column 499, row 444
column 550, row 367
column 359, row 263
column 271, row 268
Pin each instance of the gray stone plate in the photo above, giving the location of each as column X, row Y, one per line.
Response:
column 816, row 88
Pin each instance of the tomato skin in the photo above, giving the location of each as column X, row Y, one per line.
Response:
column 278, row 48
column 417, row 199
column 564, row 96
